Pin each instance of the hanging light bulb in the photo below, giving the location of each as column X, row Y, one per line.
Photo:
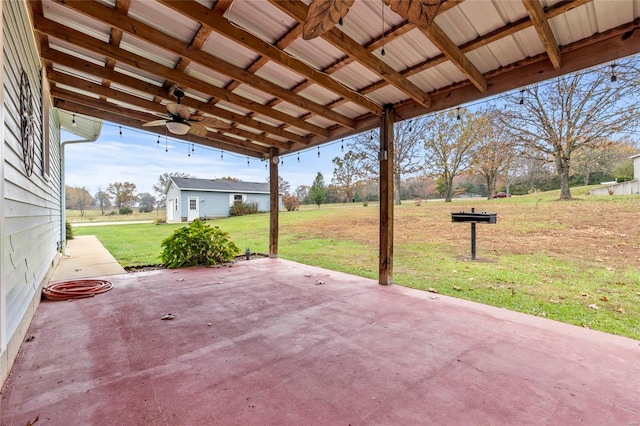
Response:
column 342, row 145
column 248, row 163
column 318, row 152
column 382, row 51
column 193, row 149
column 158, row 143
column 221, row 155
column 73, row 121
column 521, row 97
column 265, row 165
column 458, row 113
column 298, row 157
column 410, row 126
column 614, row 77
column 120, row 131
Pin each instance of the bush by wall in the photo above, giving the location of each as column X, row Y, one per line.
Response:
column 240, row 208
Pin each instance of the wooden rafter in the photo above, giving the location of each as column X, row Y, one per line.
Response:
column 298, row 11
column 160, row 93
column 52, row 28
column 455, row 55
column 219, row 24
column 541, row 24
column 151, row 35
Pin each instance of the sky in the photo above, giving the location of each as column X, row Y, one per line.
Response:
column 137, row 157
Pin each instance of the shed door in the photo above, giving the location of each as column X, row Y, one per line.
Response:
column 194, row 209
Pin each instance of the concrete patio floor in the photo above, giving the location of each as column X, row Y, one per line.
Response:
column 270, row 341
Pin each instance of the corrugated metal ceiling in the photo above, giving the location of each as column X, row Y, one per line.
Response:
column 335, row 85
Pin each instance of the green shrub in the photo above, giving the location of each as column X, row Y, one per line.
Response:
column 68, row 231
column 197, row 244
column 240, row 208
column 125, row 210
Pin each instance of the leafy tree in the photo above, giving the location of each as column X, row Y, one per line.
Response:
column 494, row 155
column 450, row 141
column 318, row 191
column 78, row 198
column 408, row 151
column 102, row 199
column 574, row 112
column 162, row 185
column 122, row 194
column 624, row 172
column 346, row 173
column 600, row 160
column 146, row 202
column 290, row 202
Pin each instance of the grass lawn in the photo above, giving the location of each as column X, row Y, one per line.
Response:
column 576, row 262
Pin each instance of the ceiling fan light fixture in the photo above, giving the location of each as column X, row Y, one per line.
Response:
column 177, row 128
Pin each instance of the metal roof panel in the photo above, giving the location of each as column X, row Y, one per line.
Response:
column 163, row 19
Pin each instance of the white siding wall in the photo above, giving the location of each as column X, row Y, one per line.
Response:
column 31, row 204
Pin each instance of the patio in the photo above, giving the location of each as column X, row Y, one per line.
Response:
column 270, row 341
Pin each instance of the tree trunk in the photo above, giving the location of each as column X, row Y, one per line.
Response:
column 396, row 189
column 562, row 164
column 491, row 183
column 586, row 179
column 449, row 193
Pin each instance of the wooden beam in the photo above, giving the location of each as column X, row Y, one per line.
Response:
column 65, row 95
column 541, row 24
column 298, row 11
column 149, row 34
column 106, row 93
column 385, row 269
column 222, row 26
column 159, row 92
column 274, row 204
column 52, row 28
column 455, row 55
column 127, row 120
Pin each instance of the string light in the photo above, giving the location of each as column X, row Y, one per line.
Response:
column 458, row 113
column 318, row 152
column 410, row 126
column 73, row 121
column 158, row 143
column 521, row 97
column 188, row 151
column 614, row 77
column 282, row 161
column 120, row 131
column 298, row 157
column 342, row 145
column 193, row 148
column 166, row 144
column 221, row 155
column 265, row 166
column 248, row 163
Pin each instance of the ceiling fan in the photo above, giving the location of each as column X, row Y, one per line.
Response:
column 180, row 121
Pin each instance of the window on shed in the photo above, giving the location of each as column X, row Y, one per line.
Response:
column 193, row 204
column 238, row 197
column 176, row 204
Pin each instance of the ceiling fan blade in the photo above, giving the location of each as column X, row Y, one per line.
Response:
column 210, row 122
column 155, row 123
column 198, row 129
column 179, row 110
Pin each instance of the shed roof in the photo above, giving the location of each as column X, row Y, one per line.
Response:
column 245, row 63
column 220, row 185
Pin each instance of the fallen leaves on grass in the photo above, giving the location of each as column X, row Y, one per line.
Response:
column 604, row 299
column 594, row 306
column 456, row 288
column 432, row 290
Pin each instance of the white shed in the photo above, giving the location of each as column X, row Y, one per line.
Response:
column 623, row 188
column 191, row 198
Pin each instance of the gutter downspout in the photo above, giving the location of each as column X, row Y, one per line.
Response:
column 63, row 198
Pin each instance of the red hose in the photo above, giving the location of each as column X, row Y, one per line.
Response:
column 75, row 289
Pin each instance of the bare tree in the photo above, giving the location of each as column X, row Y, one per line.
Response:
column 162, row 185
column 582, row 111
column 495, row 153
column 450, row 140
column 346, row 173
column 408, row 151
column 102, row 199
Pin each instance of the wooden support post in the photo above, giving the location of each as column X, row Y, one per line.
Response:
column 274, row 205
column 385, row 271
